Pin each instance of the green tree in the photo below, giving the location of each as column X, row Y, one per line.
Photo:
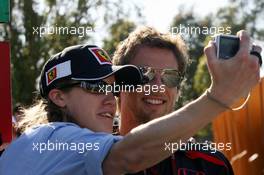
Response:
column 202, row 77
column 195, row 41
column 29, row 50
column 118, row 32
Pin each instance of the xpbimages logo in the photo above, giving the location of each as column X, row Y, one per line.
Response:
column 194, row 146
column 147, row 89
column 189, row 30
column 64, row 146
column 80, row 31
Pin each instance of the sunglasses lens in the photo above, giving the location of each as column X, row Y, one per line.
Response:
column 95, row 88
column 148, row 72
column 171, row 78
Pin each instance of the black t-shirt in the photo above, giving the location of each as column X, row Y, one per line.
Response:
column 192, row 162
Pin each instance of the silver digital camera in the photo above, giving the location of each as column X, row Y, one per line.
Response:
column 227, row 46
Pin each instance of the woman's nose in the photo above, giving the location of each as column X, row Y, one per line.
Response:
column 109, row 99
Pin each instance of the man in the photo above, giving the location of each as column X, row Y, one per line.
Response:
column 163, row 60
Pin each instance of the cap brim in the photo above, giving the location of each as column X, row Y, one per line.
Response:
column 125, row 74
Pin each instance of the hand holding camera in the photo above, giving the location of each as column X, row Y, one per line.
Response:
column 234, row 67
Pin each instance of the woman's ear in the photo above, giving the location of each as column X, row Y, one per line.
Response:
column 58, row 97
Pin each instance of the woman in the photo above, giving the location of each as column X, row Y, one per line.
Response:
column 73, row 87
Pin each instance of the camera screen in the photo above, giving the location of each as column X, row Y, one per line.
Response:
column 228, row 47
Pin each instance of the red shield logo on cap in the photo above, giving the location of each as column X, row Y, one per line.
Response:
column 51, row 75
column 100, row 55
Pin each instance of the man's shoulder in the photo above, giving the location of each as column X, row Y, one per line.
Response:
column 204, row 157
column 194, row 158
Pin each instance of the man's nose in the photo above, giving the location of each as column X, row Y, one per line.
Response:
column 156, row 80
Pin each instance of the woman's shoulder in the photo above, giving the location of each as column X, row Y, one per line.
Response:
column 60, row 130
column 65, row 131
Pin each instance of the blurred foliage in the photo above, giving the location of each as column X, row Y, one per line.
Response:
column 30, row 50
column 118, row 32
column 201, row 77
column 195, row 43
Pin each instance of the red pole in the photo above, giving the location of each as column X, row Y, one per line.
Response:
column 5, row 93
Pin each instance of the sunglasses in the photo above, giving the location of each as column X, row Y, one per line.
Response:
column 97, row 87
column 169, row 77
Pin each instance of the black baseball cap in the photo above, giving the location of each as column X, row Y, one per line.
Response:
column 84, row 63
